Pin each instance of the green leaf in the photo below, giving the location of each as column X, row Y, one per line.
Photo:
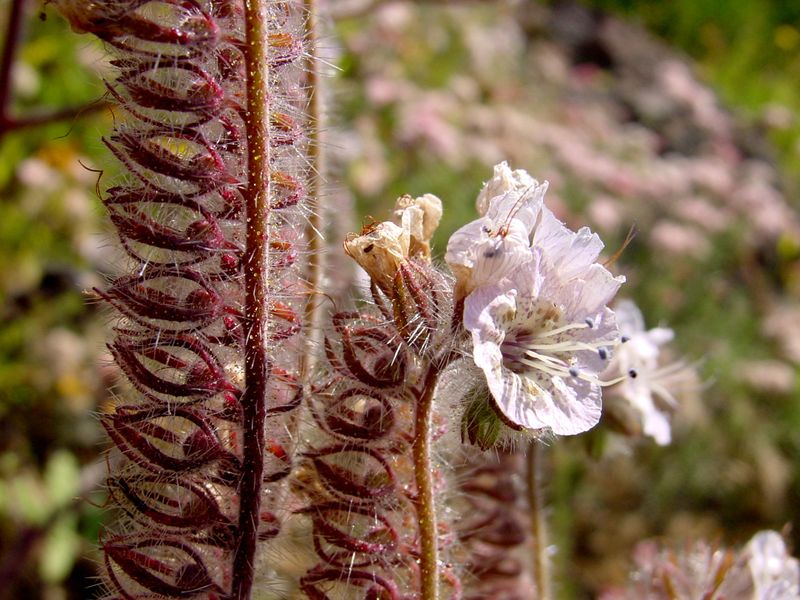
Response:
column 59, row 550
column 62, row 477
column 480, row 424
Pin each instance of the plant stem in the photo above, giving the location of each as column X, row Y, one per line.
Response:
column 316, row 158
column 423, row 472
column 16, row 16
column 256, row 267
column 541, row 560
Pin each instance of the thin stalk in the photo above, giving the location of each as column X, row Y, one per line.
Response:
column 316, row 158
column 8, row 124
column 423, row 473
column 14, row 27
column 541, row 560
column 256, row 267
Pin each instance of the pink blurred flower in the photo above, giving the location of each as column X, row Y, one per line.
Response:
column 679, row 239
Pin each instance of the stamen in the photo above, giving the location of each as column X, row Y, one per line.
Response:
column 590, row 322
column 560, row 371
column 624, row 339
column 633, row 374
column 602, row 352
column 554, row 372
column 568, row 346
column 547, row 359
column 558, row 330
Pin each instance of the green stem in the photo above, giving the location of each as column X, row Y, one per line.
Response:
column 541, row 560
column 426, row 507
column 256, row 267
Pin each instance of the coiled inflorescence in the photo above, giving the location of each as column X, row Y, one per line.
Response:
column 493, row 530
column 184, row 319
column 358, row 475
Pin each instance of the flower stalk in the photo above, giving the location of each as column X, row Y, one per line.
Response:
column 210, row 219
column 257, row 290
column 538, row 519
column 425, row 499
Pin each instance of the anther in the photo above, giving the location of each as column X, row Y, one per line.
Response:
column 603, row 353
column 590, row 322
column 624, row 339
column 573, row 371
column 632, row 373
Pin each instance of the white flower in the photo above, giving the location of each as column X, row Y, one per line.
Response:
column 776, row 575
column 541, row 339
column 486, row 250
column 646, row 391
column 506, row 184
column 535, row 303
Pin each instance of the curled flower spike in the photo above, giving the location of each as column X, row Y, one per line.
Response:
column 647, row 399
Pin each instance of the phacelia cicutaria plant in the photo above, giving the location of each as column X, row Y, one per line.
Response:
column 211, row 131
column 260, row 450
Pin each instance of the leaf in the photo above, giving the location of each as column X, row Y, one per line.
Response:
column 61, row 547
column 61, row 477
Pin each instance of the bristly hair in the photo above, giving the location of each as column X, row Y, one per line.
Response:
column 213, row 137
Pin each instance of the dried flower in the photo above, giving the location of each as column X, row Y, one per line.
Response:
column 380, row 250
column 419, row 217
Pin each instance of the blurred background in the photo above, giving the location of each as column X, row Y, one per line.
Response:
column 677, row 117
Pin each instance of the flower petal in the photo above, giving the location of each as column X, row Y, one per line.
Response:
column 478, row 256
column 537, row 401
column 569, row 252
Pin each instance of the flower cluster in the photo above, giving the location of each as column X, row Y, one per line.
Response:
column 535, row 301
column 762, row 570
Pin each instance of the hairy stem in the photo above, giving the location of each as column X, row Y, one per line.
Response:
column 541, row 561
column 257, row 367
column 423, row 472
column 316, row 159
